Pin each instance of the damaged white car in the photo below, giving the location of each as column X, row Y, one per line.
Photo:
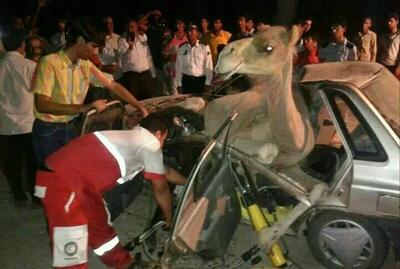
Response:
column 323, row 143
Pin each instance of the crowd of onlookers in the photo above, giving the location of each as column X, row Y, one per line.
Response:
column 365, row 46
column 156, row 61
column 150, row 58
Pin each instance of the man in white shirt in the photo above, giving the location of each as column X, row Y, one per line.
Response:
column 16, row 116
column 109, row 53
column 136, row 62
column 194, row 67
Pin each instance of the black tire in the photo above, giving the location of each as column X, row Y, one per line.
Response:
column 377, row 241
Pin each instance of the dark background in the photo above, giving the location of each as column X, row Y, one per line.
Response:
column 269, row 11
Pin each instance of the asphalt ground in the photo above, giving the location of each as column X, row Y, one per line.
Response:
column 24, row 242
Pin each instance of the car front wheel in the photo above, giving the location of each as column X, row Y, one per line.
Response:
column 341, row 240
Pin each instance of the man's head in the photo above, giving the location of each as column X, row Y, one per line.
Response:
column 192, row 33
column 249, row 25
column 84, row 38
column 13, row 39
column 108, row 24
column 310, row 41
column 241, row 23
column 367, row 24
column 157, row 125
column 338, row 29
column 393, row 21
column 204, row 24
column 132, row 27
column 180, row 26
column 34, row 48
column 217, row 24
column 61, row 24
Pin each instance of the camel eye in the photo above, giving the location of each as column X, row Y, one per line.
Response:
column 268, row 49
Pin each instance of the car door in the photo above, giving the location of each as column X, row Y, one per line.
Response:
column 363, row 174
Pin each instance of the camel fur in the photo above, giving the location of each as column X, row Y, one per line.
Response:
column 273, row 123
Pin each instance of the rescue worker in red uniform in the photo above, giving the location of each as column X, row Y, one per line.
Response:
column 71, row 190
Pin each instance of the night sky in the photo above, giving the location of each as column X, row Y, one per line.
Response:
column 323, row 11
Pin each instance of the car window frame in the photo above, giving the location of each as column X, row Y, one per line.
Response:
column 380, row 155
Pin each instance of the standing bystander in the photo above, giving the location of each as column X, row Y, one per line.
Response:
column 366, row 42
column 215, row 39
column 194, row 69
column 109, row 53
column 389, row 46
column 339, row 49
column 60, row 86
column 136, row 62
column 16, row 116
column 170, row 52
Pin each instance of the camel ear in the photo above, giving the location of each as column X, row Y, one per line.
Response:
column 294, row 35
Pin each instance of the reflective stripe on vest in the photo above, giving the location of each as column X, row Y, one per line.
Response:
column 113, row 151
column 106, row 246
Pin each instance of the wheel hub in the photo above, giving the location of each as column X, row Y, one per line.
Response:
column 346, row 243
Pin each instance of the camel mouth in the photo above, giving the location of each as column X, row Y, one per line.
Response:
column 226, row 75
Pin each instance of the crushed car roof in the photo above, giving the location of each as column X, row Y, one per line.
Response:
column 377, row 84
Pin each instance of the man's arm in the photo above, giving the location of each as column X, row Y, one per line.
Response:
column 155, row 12
column 208, row 68
column 374, row 48
column 162, row 195
column 174, row 176
column 119, row 90
column 178, row 71
column 352, row 54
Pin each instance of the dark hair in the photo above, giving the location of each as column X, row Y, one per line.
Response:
column 155, row 122
column 394, row 16
column 313, row 35
column 43, row 45
column 83, row 28
column 342, row 22
column 13, row 38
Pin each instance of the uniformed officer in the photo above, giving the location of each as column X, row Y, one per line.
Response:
column 194, row 68
column 339, row 49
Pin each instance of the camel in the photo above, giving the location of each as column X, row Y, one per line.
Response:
column 273, row 123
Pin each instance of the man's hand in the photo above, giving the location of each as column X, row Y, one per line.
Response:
column 99, row 105
column 144, row 112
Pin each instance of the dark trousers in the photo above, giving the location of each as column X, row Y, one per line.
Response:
column 141, row 85
column 191, row 84
column 18, row 164
column 49, row 137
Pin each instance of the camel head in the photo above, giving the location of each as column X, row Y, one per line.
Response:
column 264, row 54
